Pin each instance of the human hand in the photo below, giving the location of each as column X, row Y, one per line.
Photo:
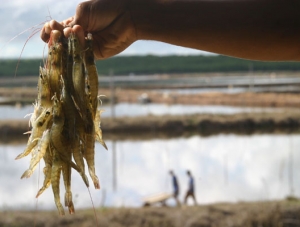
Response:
column 107, row 20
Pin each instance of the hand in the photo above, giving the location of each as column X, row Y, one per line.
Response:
column 107, row 20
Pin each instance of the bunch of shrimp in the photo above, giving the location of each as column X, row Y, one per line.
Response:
column 66, row 119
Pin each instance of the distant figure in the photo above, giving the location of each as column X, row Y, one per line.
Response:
column 191, row 188
column 175, row 187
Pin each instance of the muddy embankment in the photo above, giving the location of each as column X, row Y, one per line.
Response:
column 277, row 121
column 254, row 214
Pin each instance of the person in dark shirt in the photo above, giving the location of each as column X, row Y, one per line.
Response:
column 175, row 187
column 191, row 189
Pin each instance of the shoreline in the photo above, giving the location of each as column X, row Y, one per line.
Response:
column 150, row 127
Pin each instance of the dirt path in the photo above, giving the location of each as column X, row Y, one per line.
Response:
column 254, row 214
column 215, row 98
column 211, row 98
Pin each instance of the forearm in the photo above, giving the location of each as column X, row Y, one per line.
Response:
column 252, row 29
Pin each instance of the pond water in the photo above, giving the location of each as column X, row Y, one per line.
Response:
column 132, row 110
column 226, row 168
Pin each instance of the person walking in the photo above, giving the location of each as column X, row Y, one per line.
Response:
column 191, row 188
column 175, row 187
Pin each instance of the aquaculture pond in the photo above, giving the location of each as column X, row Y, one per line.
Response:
column 226, row 168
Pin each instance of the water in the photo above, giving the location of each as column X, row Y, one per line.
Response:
column 122, row 109
column 226, row 168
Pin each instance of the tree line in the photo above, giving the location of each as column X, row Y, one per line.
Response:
column 150, row 64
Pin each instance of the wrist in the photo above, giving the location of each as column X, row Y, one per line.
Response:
column 143, row 13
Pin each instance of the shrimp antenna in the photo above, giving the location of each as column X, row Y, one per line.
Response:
column 20, row 34
column 49, row 13
column 32, row 34
column 95, row 214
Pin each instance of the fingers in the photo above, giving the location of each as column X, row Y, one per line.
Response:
column 79, row 32
column 67, row 22
column 64, row 28
column 55, row 37
column 54, row 25
column 48, row 27
column 45, row 32
column 83, row 9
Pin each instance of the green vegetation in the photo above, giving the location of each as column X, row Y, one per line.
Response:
column 157, row 64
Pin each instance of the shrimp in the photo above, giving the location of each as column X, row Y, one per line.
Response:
column 69, row 110
column 38, row 154
column 65, row 122
column 79, row 96
column 56, row 133
column 48, row 158
column 92, row 74
column 44, row 96
column 34, row 114
column 78, row 158
column 98, row 131
column 39, row 126
column 66, row 170
column 61, row 159
column 77, row 74
column 89, row 155
column 55, row 179
column 55, row 63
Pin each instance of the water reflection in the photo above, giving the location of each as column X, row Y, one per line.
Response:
column 121, row 110
column 225, row 167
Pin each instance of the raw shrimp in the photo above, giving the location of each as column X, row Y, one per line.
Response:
column 38, row 153
column 78, row 75
column 65, row 122
column 78, row 158
column 39, row 126
column 98, row 131
column 55, row 180
column 54, row 66
column 89, row 154
column 92, row 74
column 44, row 96
column 48, row 159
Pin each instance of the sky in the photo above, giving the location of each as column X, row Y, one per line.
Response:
column 26, row 17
